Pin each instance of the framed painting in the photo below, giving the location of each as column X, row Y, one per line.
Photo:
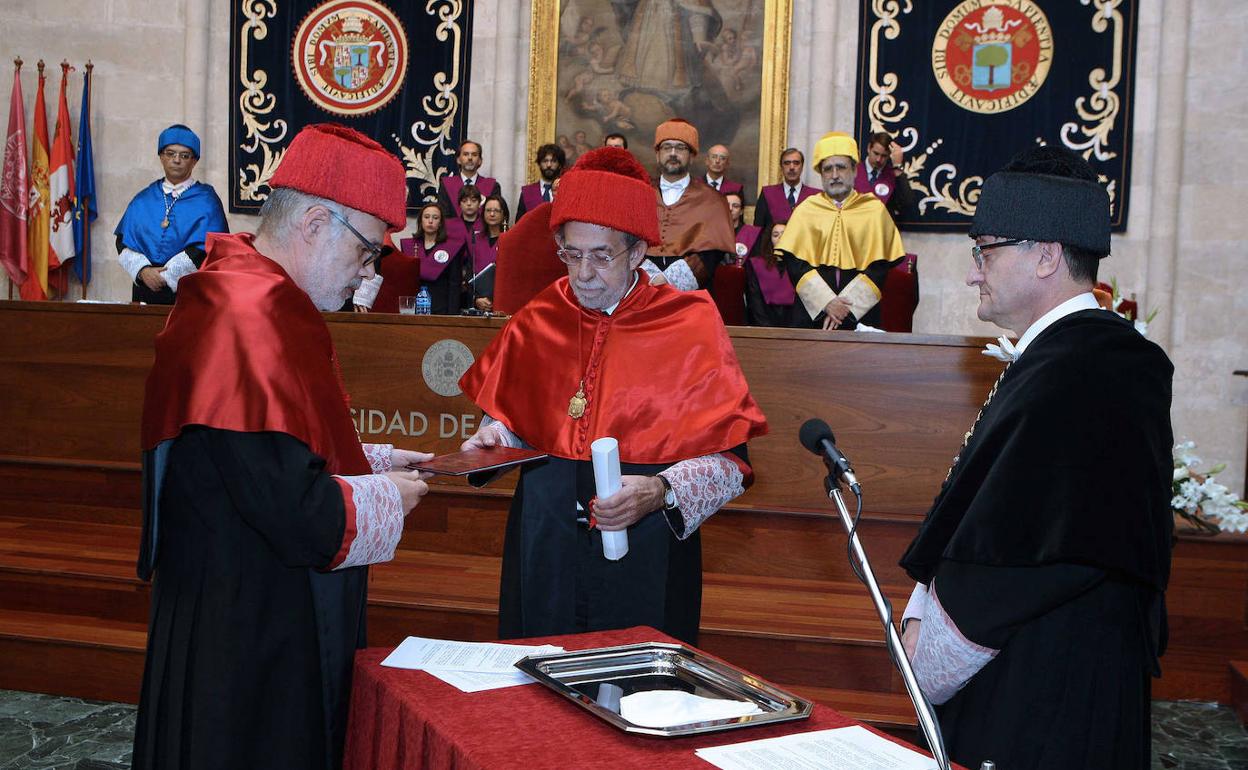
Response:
column 600, row 67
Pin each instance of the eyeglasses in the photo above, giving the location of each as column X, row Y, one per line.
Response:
column 374, row 249
column 977, row 251
column 670, row 146
column 176, row 155
column 599, row 260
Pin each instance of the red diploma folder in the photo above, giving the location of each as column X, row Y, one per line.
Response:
column 478, row 460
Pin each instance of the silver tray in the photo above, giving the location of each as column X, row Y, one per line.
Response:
column 596, row 679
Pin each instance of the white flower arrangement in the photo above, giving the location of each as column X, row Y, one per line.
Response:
column 1200, row 499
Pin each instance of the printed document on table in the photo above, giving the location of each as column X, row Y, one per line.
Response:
column 483, row 657
column 472, row 681
column 844, row 748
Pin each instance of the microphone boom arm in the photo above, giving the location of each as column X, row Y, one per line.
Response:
column 923, row 709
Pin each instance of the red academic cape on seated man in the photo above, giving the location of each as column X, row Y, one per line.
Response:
column 660, row 375
column 260, row 510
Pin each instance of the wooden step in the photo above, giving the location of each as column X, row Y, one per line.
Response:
column 83, row 657
column 1239, row 688
column 822, row 635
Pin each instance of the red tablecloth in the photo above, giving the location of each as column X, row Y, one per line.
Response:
column 409, row 719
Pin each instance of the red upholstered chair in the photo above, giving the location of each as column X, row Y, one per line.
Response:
column 526, row 263
column 900, row 295
column 728, row 291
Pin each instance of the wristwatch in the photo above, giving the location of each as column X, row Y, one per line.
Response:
column 669, row 495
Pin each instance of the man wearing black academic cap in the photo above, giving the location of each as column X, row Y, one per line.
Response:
column 1039, row 614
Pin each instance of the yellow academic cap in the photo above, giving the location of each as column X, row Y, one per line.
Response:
column 834, row 143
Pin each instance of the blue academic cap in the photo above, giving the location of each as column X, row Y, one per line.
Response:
column 178, row 134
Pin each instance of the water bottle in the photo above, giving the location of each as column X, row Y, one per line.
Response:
column 424, row 305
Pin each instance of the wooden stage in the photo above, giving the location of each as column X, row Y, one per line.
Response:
column 779, row 597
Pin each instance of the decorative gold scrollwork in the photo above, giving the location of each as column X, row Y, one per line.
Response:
column 884, row 107
column 1100, row 108
column 254, row 105
column 432, row 136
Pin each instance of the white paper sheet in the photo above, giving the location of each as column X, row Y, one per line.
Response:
column 845, row 748
column 483, row 657
column 473, row 681
column 669, row 708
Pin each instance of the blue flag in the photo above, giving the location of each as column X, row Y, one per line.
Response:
column 85, row 210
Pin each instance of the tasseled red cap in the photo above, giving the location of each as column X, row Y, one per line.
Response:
column 332, row 161
column 608, row 187
column 526, row 260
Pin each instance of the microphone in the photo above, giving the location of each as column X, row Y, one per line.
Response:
column 816, row 436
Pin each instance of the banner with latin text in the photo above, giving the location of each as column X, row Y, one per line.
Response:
column 964, row 85
column 395, row 70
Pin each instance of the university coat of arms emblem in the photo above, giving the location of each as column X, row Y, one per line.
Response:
column 350, row 56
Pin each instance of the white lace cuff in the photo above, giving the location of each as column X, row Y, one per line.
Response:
column 178, row 267
column 380, row 456
column 132, row 262
column 650, row 268
column 680, row 276
column 916, row 605
column 366, row 295
column 702, row 485
column 944, row 659
column 374, row 521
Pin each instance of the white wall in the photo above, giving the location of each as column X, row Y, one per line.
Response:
column 1183, row 253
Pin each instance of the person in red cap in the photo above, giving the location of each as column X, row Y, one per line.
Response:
column 603, row 352
column 261, row 507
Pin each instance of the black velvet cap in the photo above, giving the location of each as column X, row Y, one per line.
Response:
column 1043, row 207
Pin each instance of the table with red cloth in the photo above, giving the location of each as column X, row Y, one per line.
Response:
column 410, row 719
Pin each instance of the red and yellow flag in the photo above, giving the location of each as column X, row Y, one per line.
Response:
column 36, row 285
column 61, row 194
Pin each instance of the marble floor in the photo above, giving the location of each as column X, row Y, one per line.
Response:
column 44, row 732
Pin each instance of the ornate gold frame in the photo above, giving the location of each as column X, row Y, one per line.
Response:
column 773, row 119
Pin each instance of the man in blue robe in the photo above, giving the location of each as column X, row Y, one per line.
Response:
column 160, row 238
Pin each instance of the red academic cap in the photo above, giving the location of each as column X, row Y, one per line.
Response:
column 340, row 164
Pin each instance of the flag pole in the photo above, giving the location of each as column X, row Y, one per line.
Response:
column 17, row 64
column 85, row 209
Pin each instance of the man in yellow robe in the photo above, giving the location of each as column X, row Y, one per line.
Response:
column 839, row 245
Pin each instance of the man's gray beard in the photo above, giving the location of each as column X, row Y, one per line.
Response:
column 604, row 301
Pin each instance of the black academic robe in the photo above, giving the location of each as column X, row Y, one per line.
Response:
column 1050, row 541
column 247, row 520
column 555, row 579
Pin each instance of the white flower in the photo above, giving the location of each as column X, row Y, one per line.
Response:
column 1181, row 472
column 1183, row 455
column 1141, row 326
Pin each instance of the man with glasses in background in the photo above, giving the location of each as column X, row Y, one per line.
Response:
column 605, row 352
column 1039, row 614
column 160, row 238
column 839, row 245
column 695, row 229
column 261, row 506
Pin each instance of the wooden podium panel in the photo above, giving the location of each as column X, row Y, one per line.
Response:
column 778, row 594
column 72, row 378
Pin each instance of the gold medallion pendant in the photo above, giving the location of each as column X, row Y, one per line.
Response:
column 576, row 404
column 164, row 223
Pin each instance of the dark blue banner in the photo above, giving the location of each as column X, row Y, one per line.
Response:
column 964, row 86
column 396, row 70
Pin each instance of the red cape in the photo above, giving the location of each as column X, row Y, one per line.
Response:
column 246, row 350
column 664, row 381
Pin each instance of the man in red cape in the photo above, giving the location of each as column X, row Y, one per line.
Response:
column 603, row 352
column 261, row 507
